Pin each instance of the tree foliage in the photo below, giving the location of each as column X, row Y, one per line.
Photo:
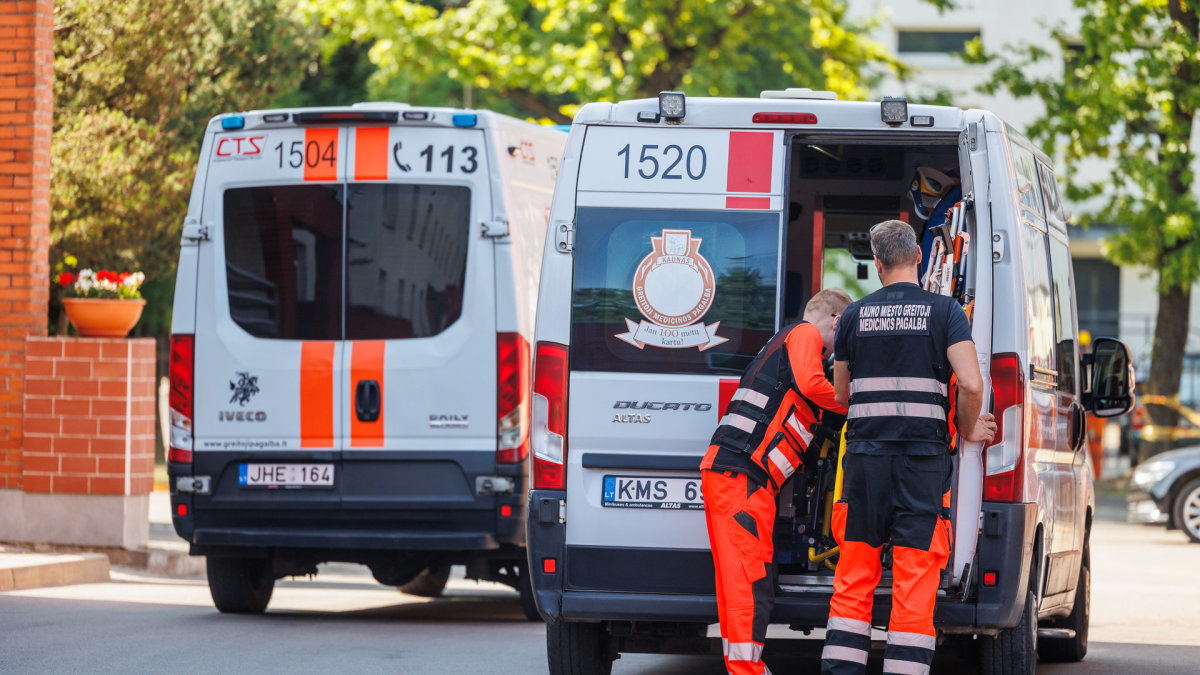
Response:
column 1128, row 95
column 135, row 83
column 546, row 56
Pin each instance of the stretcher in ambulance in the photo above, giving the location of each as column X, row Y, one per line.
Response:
column 350, row 349
column 684, row 233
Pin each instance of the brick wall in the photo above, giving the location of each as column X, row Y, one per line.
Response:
column 26, row 82
column 78, row 436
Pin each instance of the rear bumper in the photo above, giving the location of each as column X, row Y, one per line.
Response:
column 615, row 584
column 391, row 501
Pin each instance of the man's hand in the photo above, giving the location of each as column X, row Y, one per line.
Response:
column 984, row 431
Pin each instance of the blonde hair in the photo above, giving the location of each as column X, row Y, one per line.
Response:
column 828, row 301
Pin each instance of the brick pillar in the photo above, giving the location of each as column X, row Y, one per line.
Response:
column 26, row 102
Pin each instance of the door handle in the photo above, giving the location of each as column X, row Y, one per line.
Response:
column 1079, row 422
column 367, row 400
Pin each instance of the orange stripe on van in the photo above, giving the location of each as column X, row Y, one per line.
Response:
column 316, row 395
column 371, row 153
column 366, row 363
column 321, row 154
column 750, row 161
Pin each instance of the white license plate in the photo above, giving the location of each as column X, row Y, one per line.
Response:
column 652, row 492
column 285, row 475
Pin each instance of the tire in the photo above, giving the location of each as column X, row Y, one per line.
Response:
column 525, row 588
column 429, row 583
column 1072, row 650
column 240, row 585
column 577, row 649
column 1014, row 650
column 1187, row 510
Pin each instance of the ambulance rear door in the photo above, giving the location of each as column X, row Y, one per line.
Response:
column 268, row 347
column 676, row 267
column 419, row 366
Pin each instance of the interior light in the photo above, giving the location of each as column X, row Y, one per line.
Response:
column 275, row 117
column 416, row 115
column 672, row 105
column 921, row 120
column 893, row 110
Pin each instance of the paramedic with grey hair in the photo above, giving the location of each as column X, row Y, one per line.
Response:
column 894, row 354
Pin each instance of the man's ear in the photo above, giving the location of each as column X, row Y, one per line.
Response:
column 878, row 268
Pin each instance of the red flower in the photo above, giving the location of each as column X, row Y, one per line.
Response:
column 66, row 279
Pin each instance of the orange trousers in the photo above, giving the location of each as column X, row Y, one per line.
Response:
column 741, row 516
column 904, row 499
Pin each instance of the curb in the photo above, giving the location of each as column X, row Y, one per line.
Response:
column 34, row 570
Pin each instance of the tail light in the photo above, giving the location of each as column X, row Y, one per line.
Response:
column 512, row 392
column 1004, row 461
column 1138, row 419
column 550, row 416
column 182, row 371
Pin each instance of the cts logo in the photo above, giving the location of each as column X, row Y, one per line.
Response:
column 240, row 146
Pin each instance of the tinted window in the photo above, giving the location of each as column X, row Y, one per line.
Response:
column 651, row 287
column 406, row 259
column 1050, row 191
column 283, row 260
column 1038, row 291
column 933, row 41
column 1064, row 322
column 1029, row 194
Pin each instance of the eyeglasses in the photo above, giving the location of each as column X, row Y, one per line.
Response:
column 871, row 237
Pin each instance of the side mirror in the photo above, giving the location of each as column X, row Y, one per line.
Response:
column 1111, row 382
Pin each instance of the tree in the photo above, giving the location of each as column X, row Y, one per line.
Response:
column 135, row 83
column 544, row 57
column 1129, row 95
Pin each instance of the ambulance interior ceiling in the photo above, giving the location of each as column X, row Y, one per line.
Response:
column 853, row 186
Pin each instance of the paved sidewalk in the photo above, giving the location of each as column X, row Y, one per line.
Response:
column 21, row 569
column 40, row 565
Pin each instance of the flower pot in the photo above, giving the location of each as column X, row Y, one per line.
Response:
column 103, row 317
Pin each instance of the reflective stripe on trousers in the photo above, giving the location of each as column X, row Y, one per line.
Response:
column 895, row 409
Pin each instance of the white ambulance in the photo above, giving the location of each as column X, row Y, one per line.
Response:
column 684, row 233
column 350, row 344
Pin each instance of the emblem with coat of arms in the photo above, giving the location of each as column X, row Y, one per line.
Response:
column 673, row 288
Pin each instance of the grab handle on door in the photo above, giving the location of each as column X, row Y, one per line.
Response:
column 366, row 400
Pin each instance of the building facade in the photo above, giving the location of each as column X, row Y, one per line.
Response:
column 1112, row 300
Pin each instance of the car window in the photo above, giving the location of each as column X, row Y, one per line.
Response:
column 406, row 259
column 669, row 291
column 1064, row 320
column 283, row 260
column 1027, row 179
column 1038, row 292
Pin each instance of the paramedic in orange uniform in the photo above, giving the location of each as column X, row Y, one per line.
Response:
column 895, row 352
column 757, row 446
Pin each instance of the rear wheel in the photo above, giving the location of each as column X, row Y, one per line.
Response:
column 577, row 648
column 1014, row 650
column 1073, row 649
column 1187, row 510
column 525, row 588
column 430, row 583
column 240, row 585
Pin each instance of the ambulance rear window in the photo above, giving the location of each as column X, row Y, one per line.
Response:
column 673, row 291
column 283, row 260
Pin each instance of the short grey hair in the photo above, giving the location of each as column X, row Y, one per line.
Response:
column 894, row 242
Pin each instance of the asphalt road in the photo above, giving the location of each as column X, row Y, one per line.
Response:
column 1145, row 619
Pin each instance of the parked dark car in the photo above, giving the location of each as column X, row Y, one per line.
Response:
column 1166, row 489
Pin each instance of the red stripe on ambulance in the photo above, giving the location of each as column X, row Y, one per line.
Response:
column 366, row 363
column 316, row 395
column 750, row 162
column 321, row 154
column 371, row 153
